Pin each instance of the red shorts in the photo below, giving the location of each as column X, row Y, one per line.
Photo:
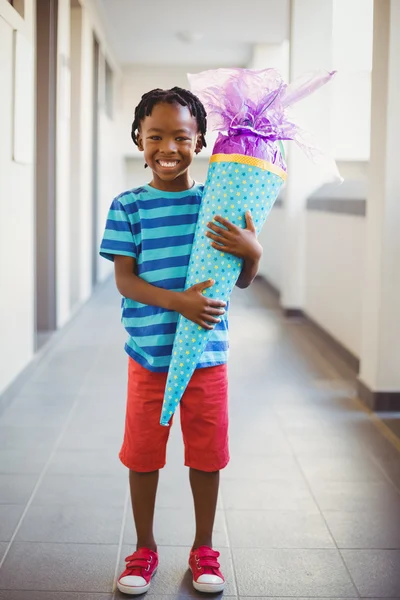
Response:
column 204, row 420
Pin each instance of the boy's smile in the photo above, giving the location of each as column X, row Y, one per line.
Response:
column 169, row 137
column 168, row 164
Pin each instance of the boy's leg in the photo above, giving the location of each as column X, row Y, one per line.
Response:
column 204, row 418
column 205, row 495
column 143, row 495
column 143, row 453
column 144, row 447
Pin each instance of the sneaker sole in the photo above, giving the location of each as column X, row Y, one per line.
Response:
column 209, row 588
column 135, row 591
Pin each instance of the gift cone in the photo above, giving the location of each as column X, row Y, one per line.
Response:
column 247, row 169
column 235, row 184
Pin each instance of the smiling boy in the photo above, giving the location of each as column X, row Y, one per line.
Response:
column 149, row 235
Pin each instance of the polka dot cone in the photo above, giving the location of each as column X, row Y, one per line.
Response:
column 231, row 189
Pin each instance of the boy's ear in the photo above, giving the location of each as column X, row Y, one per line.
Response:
column 140, row 142
column 199, row 145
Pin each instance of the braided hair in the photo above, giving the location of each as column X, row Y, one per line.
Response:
column 175, row 95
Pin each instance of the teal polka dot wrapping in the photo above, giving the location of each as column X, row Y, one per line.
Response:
column 231, row 190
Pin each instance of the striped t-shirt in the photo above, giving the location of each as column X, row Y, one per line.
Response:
column 157, row 229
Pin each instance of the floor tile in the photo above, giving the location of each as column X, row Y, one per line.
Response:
column 92, row 438
column 365, row 529
column 345, row 468
column 3, row 548
column 83, row 490
column 267, row 495
column 91, row 462
column 71, row 524
column 173, row 577
column 185, row 594
column 8, row 595
column 59, row 567
column 174, row 489
column 262, row 468
column 374, row 572
column 277, row 529
column 355, row 496
column 51, row 388
column 262, row 445
column 15, row 437
column 10, row 514
column 20, row 461
column 176, row 527
column 325, row 446
column 16, row 489
column 91, row 414
column 307, row 573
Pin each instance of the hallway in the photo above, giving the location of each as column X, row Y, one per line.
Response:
column 309, row 504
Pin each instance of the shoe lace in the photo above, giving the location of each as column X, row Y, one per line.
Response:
column 206, row 560
column 139, row 561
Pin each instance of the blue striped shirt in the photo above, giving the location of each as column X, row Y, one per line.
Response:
column 157, row 229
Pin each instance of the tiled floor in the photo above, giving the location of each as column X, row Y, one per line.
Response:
column 309, row 506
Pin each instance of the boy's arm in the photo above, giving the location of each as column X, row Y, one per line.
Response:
column 133, row 287
column 192, row 304
column 248, row 273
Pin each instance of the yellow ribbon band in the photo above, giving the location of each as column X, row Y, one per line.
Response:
column 251, row 161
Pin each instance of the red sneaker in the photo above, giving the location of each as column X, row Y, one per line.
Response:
column 205, row 568
column 140, row 568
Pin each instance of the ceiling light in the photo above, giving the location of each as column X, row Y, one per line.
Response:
column 189, row 37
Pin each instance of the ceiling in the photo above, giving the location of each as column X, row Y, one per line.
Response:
column 145, row 31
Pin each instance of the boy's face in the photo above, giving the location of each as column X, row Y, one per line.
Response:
column 169, row 137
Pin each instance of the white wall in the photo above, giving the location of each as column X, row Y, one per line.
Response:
column 266, row 56
column 352, row 34
column 271, row 239
column 334, row 263
column 334, row 274
column 329, row 258
column 16, row 206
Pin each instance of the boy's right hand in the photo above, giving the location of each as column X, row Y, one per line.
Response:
column 196, row 307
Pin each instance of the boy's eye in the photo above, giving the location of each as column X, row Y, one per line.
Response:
column 182, row 139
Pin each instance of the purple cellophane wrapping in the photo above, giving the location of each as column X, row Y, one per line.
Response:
column 251, row 111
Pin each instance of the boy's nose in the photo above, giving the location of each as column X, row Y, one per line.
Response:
column 168, row 146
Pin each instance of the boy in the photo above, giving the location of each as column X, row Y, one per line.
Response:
column 148, row 235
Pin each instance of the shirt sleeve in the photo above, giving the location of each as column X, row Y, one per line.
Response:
column 120, row 232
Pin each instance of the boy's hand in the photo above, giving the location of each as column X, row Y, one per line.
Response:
column 235, row 240
column 196, row 307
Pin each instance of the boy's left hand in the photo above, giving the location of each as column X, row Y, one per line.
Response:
column 234, row 240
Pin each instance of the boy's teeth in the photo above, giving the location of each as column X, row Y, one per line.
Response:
column 164, row 163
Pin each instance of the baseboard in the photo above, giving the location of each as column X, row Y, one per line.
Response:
column 294, row 313
column 351, row 360
column 378, row 401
